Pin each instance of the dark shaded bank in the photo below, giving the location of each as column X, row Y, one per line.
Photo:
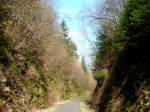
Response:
column 124, row 89
column 127, row 88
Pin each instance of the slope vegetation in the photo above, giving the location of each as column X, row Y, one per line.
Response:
column 126, row 86
column 36, row 68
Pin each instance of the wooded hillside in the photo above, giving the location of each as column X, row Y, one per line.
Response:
column 122, row 62
column 37, row 66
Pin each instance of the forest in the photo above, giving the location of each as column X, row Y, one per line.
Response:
column 40, row 65
column 121, row 64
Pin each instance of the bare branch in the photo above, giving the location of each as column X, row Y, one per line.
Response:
column 104, row 18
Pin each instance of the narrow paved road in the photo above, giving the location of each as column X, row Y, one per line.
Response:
column 73, row 106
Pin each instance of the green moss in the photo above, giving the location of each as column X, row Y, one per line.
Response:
column 37, row 88
column 100, row 75
column 36, row 92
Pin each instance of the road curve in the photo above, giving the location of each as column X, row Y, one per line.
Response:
column 72, row 106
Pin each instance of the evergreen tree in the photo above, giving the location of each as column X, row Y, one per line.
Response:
column 69, row 44
column 65, row 29
column 83, row 64
column 129, row 74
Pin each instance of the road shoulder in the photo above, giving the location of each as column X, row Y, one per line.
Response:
column 54, row 108
column 84, row 107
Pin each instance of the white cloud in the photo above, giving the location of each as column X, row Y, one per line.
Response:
column 81, row 42
column 76, row 34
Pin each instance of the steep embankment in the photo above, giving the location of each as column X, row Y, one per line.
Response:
column 35, row 66
column 127, row 87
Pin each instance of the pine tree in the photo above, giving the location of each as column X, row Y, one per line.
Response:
column 69, row 44
column 65, row 29
column 83, row 64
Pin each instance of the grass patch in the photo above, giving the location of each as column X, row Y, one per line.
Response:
column 84, row 107
column 54, row 108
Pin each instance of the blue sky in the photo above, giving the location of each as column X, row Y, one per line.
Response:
column 79, row 30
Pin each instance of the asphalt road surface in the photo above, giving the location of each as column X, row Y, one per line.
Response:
column 73, row 106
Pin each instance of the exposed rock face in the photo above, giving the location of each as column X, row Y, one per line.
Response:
column 4, row 106
column 2, row 81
